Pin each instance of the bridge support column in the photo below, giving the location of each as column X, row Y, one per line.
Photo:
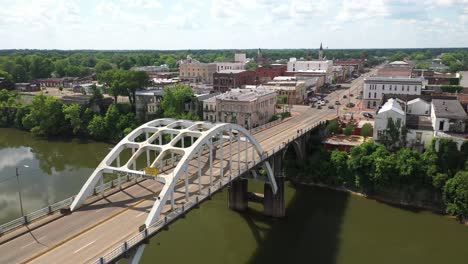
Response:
column 238, row 198
column 274, row 204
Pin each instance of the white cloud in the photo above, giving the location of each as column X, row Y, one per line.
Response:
column 356, row 10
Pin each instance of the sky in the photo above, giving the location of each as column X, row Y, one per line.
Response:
column 232, row 24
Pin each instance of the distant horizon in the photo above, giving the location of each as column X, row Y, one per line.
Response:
column 229, row 49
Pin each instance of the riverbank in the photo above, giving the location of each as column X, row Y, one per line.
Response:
column 398, row 203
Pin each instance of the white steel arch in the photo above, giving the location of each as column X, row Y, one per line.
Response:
column 204, row 132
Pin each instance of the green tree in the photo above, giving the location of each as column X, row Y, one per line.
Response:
column 46, row 117
column 348, row 131
column 251, row 66
column 366, row 130
column 111, row 79
column 174, row 100
column 72, row 113
column 423, row 65
column 339, row 163
column 332, row 127
column 102, row 66
column 450, row 159
column 97, row 128
column 456, row 194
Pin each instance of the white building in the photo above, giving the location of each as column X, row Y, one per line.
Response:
column 240, row 57
column 390, row 110
column 448, row 116
column 224, row 66
column 418, row 107
column 317, row 66
column 376, row 87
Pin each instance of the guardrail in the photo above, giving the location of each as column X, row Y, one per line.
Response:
column 267, row 125
column 173, row 215
column 29, row 218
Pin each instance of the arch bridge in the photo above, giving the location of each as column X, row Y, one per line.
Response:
column 153, row 176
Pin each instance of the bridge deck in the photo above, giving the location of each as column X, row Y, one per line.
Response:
column 94, row 229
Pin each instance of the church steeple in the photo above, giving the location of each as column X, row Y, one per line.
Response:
column 321, row 52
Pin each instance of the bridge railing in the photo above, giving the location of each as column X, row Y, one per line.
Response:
column 29, row 218
column 267, row 125
column 194, row 201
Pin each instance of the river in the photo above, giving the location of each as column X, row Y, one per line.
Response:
column 322, row 226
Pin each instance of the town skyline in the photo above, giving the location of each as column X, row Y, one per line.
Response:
column 240, row 24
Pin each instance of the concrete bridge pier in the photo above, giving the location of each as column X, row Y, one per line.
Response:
column 238, row 195
column 274, row 204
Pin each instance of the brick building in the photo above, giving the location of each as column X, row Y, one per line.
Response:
column 267, row 73
column 225, row 80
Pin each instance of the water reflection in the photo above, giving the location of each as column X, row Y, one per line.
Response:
column 56, row 170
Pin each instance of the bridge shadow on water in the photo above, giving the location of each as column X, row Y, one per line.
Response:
column 310, row 233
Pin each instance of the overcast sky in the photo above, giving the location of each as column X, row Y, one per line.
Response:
column 231, row 24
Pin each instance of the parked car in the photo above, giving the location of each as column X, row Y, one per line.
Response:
column 326, row 101
column 331, row 106
column 368, row 115
column 338, row 86
column 358, row 97
column 319, row 107
column 314, row 99
column 337, row 103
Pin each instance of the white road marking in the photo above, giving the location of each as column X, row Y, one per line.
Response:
column 34, row 242
column 140, row 214
column 76, row 251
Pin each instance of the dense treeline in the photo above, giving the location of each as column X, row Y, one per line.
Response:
column 47, row 116
column 26, row 65
column 441, row 176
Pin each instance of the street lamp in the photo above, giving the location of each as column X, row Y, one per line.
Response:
column 19, row 190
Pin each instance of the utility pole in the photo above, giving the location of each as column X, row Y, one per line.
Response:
column 19, row 192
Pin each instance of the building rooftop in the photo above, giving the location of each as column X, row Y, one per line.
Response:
column 391, row 105
column 448, row 109
column 246, row 95
column 398, row 63
column 154, row 92
column 389, row 71
column 231, row 71
column 417, row 100
column 394, row 79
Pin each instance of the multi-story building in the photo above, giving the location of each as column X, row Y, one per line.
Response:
column 246, row 107
column 229, row 79
column 376, row 87
column 320, row 67
column 236, row 66
column 294, row 89
column 195, row 71
column 267, row 73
